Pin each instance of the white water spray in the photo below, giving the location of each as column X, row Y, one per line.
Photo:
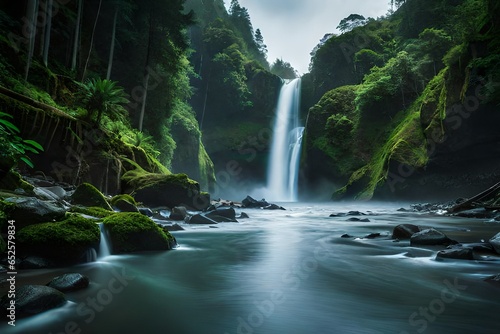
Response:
column 104, row 249
column 283, row 169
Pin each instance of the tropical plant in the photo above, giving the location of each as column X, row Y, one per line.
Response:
column 12, row 147
column 100, row 97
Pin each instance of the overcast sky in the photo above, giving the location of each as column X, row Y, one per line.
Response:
column 292, row 28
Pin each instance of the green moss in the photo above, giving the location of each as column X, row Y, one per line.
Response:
column 91, row 211
column 88, row 195
column 123, row 197
column 139, row 179
column 65, row 240
column 132, row 232
column 13, row 181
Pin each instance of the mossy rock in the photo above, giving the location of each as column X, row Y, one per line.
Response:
column 88, row 195
column 172, row 190
column 91, row 211
column 13, row 181
column 134, row 232
column 64, row 241
column 124, row 203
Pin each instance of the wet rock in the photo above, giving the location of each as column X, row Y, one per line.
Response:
column 341, row 214
column 373, row 236
column 356, row 213
column 495, row 242
column 36, row 262
column 174, row 227
column 34, row 299
column 69, row 282
column 200, row 219
column 480, row 213
column 430, row 237
column 463, row 253
column 402, row 210
column 146, row 212
column 31, row 210
column 404, row 231
column 346, row 236
column 178, row 213
column 243, row 215
column 250, row 202
column 354, row 219
column 222, row 214
column 495, row 279
column 481, row 247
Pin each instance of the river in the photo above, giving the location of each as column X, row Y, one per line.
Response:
column 285, row 272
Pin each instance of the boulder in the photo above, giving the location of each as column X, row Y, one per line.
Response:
column 200, row 219
column 36, row 262
column 480, row 247
column 134, row 232
column 178, row 213
column 34, row 299
column 495, row 242
column 173, row 227
column 66, row 241
column 243, row 215
column 124, row 203
column 88, row 195
column 464, row 253
column 222, row 214
column 430, row 237
column 30, row 210
column 69, row 282
column 480, row 213
column 250, row 202
column 404, row 231
column 158, row 190
column 146, row 212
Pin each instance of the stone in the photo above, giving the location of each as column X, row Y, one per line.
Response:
column 464, row 253
column 69, row 282
column 243, row 215
column 146, row 212
column 31, row 210
column 222, row 214
column 495, row 242
column 125, row 206
column 404, row 231
column 173, row 227
column 34, row 299
column 373, row 236
column 200, row 219
column 178, row 213
column 250, row 202
column 35, row 262
column 88, row 195
column 430, row 237
column 480, row 213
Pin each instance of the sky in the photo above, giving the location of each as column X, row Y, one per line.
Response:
column 292, row 28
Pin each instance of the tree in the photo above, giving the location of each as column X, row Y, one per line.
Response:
column 78, row 29
column 103, row 97
column 92, row 40
column 259, row 40
column 351, row 22
column 283, row 69
column 31, row 15
column 435, row 43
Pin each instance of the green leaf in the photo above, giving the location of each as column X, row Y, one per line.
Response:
column 9, row 125
column 34, row 144
column 27, row 161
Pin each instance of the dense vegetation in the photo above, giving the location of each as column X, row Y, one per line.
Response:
column 389, row 90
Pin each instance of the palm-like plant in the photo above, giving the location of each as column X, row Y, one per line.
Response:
column 100, row 97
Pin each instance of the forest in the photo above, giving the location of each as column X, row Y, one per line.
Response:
column 189, row 83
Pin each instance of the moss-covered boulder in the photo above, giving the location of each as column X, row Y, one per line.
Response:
column 13, row 180
column 124, row 203
column 65, row 241
column 92, row 211
column 88, row 195
column 172, row 190
column 134, row 232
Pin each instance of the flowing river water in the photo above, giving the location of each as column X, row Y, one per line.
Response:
column 285, row 272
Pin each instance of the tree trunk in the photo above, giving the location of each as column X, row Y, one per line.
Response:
column 147, row 74
column 31, row 14
column 468, row 204
column 91, row 41
column 112, row 47
column 48, row 27
column 76, row 43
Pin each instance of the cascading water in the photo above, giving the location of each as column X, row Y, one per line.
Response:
column 104, row 244
column 282, row 175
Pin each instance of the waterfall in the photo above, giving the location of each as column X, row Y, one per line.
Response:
column 283, row 168
column 104, row 249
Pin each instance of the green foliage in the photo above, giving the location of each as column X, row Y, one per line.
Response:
column 102, row 96
column 283, row 69
column 123, row 197
column 351, row 22
column 12, row 147
column 65, row 240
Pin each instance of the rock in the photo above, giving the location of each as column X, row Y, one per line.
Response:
column 88, row 195
column 157, row 190
column 250, row 202
column 354, row 219
column 476, row 247
column 480, row 213
column 346, row 236
column 146, row 212
column 222, row 214
column 36, row 262
column 30, row 210
column 243, row 215
column 65, row 241
column 495, row 242
column 356, row 213
column 342, row 214
column 178, row 213
column 404, row 231
column 456, row 253
column 34, row 299
column 430, row 237
column 134, row 232
column 200, row 219
column 173, row 227
column 69, row 282
column 373, row 236
column 402, row 210
column 124, row 203
column 495, row 279
column 45, row 194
